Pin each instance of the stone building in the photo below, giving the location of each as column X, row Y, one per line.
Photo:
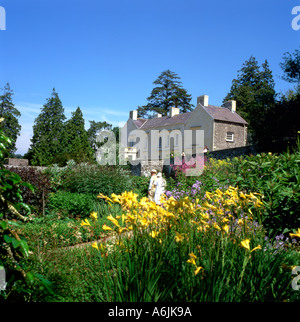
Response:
column 220, row 127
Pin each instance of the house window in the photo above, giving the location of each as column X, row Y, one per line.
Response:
column 131, row 144
column 160, row 142
column 229, row 136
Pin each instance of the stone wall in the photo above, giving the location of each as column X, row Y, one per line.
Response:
column 231, row 153
column 143, row 168
column 8, row 166
column 221, row 128
column 18, row 162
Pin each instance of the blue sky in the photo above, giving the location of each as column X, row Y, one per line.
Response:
column 103, row 55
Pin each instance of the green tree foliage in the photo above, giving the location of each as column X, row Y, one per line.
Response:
column 47, row 133
column 291, row 67
column 75, row 139
column 254, row 92
column 167, row 93
column 95, row 127
column 11, row 126
column 285, row 118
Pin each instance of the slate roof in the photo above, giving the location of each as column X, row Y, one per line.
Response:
column 162, row 121
column 224, row 114
column 216, row 112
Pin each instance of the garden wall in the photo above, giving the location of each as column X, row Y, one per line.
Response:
column 233, row 152
column 143, row 168
column 8, row 166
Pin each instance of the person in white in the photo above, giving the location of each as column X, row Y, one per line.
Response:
column 159, row 187
column 151, row 188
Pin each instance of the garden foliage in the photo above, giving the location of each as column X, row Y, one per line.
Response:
column 14, row 249
column 40, row 182
column 190, row 251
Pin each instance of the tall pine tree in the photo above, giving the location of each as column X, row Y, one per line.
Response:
column 46, row 143
column 168, row 92
column 75, row 139
column 95, row 127
column 254, row 92
column 10, row 125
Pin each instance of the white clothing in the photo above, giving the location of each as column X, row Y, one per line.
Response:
column 160, row 189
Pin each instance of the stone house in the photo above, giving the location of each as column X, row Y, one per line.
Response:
column 220, row 127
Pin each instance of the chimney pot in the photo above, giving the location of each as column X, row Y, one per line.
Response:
column 133, row 115
column 203, row 100
column 173, row 111
column 231, row 105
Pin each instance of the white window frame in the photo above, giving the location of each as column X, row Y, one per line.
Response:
column 229, row 137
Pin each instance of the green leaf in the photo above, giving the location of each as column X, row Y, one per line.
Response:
column 24, row 247
column 15, row 242
column 7, row 238
column 4, row 224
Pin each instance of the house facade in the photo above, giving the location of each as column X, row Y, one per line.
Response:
column 217, row 127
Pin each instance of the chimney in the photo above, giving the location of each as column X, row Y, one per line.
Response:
column 231, row 105
column 173, row 111
column 157, row 115
column 203, row 100
column 133, row 115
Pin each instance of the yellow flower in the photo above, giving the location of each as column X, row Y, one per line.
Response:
column 191, row 261
column 245, row 243
column 226, row 228
column 121, row 230
column 242, row 195
column 113, row 220
column 153, row 234
column 95, row 245
column 297, row 234
column 198, row 270
column 94, row 215
column 105, row 227
column 85, row 223
column 215, row 225
column 179, row 238
column 192, row 255
column 104, row 197
column 257, row 247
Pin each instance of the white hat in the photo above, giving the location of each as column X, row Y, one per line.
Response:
column 153, row 170
column 159, row 174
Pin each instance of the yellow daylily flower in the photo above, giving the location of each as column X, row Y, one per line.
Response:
column 226, row 228
column 191, row 261
column 113, row 220
column 198, row 270
column 179, row 238
column 245, row 243
column 105, row 227
column 255, row 248
column 85, row 223
column 192, row 255
column 95, row 245
column 153, row 234
column 94, row 215
column 296, row 235
column 104, row 197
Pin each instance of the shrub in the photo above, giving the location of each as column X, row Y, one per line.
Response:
column 277, row 178
column 71, row 204
column 41, row 183
column 14, row 249
column 94, row 179
column 140, row 185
